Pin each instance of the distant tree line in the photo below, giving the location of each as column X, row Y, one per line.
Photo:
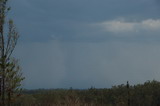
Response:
column 147, row 94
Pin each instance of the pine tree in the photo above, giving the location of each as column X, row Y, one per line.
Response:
column 9, row 75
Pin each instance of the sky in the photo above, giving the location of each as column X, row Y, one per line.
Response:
column 84, row 43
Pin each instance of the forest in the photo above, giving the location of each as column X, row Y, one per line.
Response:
column 147, row 94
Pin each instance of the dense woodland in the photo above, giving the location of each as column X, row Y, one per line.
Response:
column 147, row 94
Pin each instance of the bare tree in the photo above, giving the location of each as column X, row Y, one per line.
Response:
column 128, row 93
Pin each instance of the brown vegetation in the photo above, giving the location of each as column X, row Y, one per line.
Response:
column 147, row 94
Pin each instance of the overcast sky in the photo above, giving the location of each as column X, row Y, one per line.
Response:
column 84, row 43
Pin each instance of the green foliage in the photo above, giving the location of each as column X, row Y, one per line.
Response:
column 10, row 73
column 13, row 78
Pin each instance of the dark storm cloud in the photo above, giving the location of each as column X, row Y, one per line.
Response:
column 84, row 43
column 67, row 19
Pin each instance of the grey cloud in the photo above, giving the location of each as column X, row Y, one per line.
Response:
column 82, row 65
column 37, row 20
column 42, row 63
column 59, row 49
